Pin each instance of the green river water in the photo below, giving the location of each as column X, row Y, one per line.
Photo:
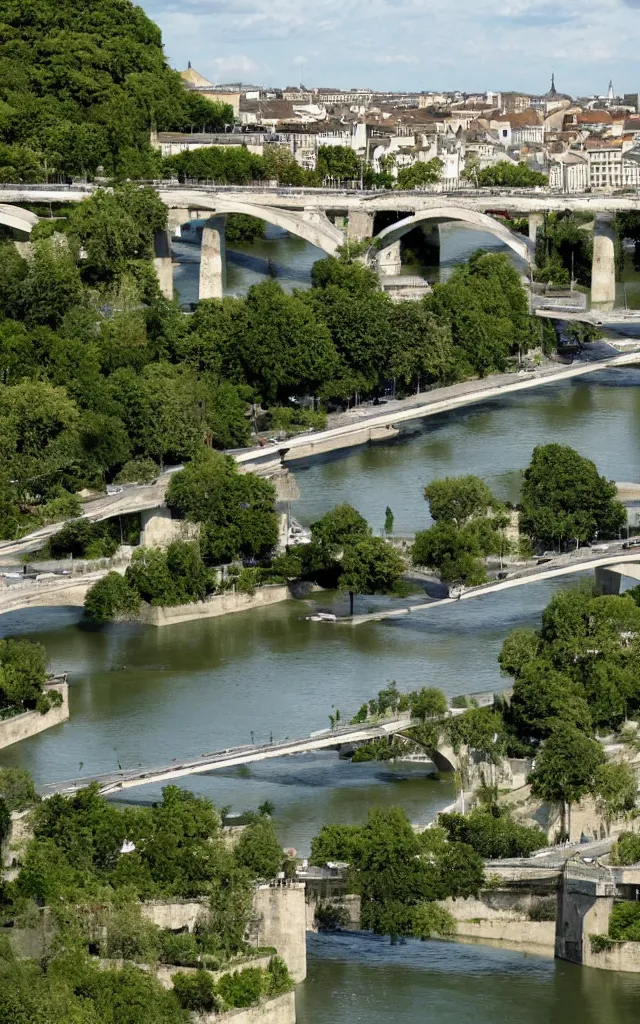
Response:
column 140, row 695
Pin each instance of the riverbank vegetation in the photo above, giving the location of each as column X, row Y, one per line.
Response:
column 400, row 874
column 92, row 865
column 23, row 675
column 564, row 500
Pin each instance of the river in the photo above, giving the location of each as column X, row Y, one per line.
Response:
column 362, row 979
column 140, row 695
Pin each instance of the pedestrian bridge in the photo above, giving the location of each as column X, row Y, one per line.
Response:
column 232, row 757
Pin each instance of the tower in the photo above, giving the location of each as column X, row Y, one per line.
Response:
column 610, row 90
column 552, row 90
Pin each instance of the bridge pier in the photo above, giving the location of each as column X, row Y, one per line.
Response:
column 431, row 234
column 176, row 219
column 360, row 225
column 607, row 581
column 212, row 259
column 163, row 262
column 536, row 221
column 389, row 260
column 603, row 267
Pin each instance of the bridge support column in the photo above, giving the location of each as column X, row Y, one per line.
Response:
column 360, row 225
column 431, row 234
column 176, row 219
column 536, row 221
column 389, row 260
column 607, row 582
column 212, row 259
column 603, row 267
column 163, row 263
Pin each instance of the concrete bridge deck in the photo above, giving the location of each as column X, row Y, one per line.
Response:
column 616, row 561
column 432, row 403
column 114, row 782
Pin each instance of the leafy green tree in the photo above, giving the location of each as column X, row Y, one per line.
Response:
column 617, row 789
column 457, row 500
column 507, row 175
column 624, row 922
column 564, row 498
column 454, row 553
column 626, row 849
column 370, row 566
column 428, row 703
column 567, row 767
column 258, row 849
column 541, row 697
column 338, row 162
column 340, row 526
column 111, row 596
column 238, row 511
column 23, row 672
column 493, row 836
column 195, row 992
column 17, row 789
column 421, row 173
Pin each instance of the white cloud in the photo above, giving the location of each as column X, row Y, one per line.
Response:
column 418, row 44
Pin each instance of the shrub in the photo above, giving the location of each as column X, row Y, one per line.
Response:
column 493, row 836
column 600, row 943
column 196, row 992
column 278, row 979
column 48, row 699
column 17, row 789
column 110, row 596
column 624, row 922
column 138, row 471
column 82, row 539
column 242, row 988
column 182, row 950
column 259, row 850
column 544, row 910
column 626, row 850
column 429, row 919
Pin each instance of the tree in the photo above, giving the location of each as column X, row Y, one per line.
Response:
column 17, row 789
column 340, row 526
column 258, row 849
column 507, row 175
column 567, row 767
column 428, row 703
column 23, row 672
column 617, row 788
column 238, row 511
column 454, row 553
column 493, row 836
column 457, row 500
column 419, row 174
column 564, row 497
column 111, row 596
column 338, row 162
column 370, row 566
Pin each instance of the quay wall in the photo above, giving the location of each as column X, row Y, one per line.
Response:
column 503, row 917
column 281, row 1010
column 219, row 604
column 30, row 723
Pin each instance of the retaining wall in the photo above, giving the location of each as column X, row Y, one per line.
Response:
column 624, row 956
column 30, row 723
column 219, row 604
column 281, row 1010
column 501, row 917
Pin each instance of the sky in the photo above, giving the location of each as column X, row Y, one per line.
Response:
column 473, row 45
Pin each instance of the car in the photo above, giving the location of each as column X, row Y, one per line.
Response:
column 599, row 547
column 633, row 542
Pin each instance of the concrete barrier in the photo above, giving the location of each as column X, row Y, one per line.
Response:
column 30, row 723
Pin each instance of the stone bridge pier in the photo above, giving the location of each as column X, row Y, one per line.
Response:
column 603, row 267
column 212, row 259
column 163, row 262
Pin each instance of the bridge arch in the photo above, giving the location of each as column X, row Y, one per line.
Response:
column 17, row 219
column 312, row 225
column 473, row 218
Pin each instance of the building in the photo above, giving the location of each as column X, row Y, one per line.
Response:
column 569, row 172
column 613, row 164
column 196, row 82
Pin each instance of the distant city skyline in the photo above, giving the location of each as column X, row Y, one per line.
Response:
column 408, row 45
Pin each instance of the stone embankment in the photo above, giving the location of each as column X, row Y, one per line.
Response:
column 30, row 723
column 214, row 606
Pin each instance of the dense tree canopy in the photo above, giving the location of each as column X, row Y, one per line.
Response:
column 82, row 84
column 564, row 498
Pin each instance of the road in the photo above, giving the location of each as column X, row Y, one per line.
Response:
column 349, row 426
column 582, row 560
column 432, row 403
column 132, row 498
